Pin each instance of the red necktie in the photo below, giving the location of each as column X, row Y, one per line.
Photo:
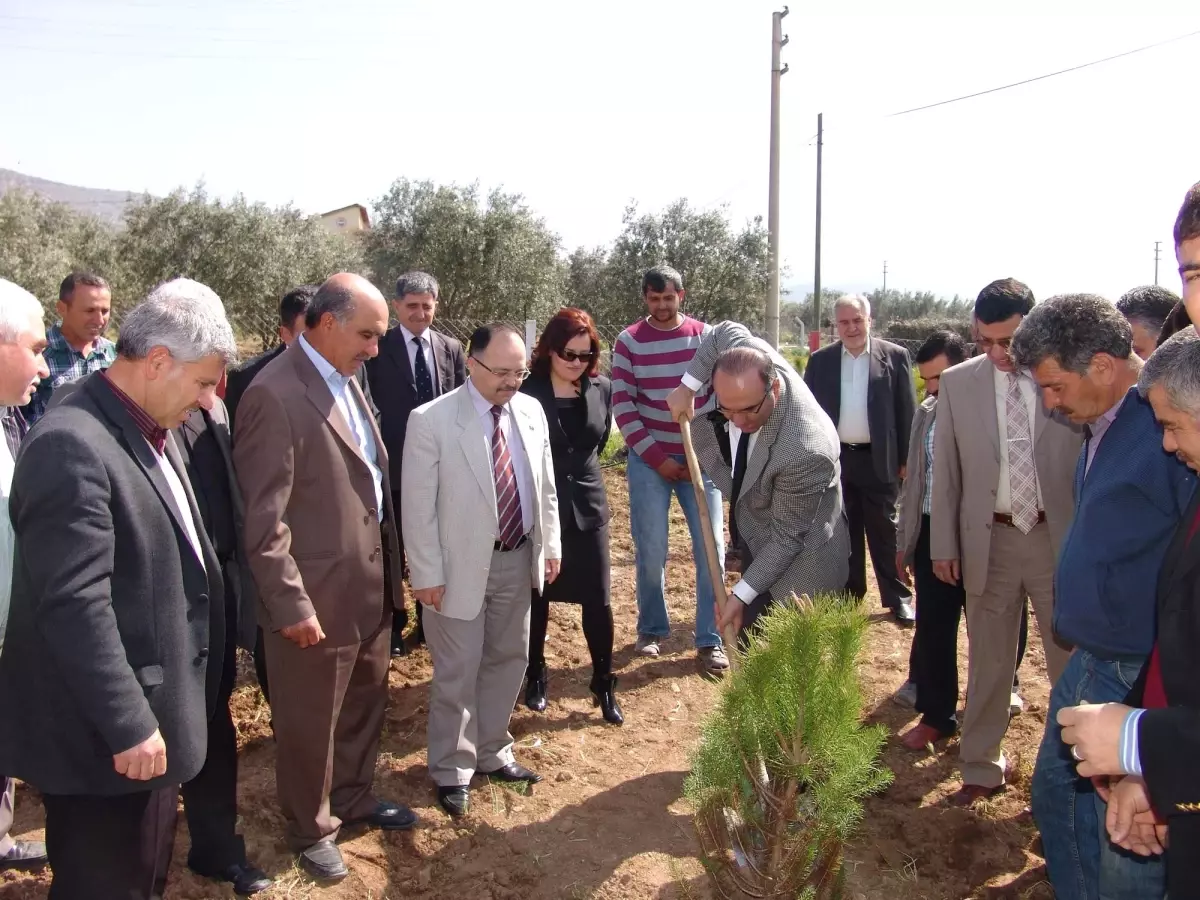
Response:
column 508, row 498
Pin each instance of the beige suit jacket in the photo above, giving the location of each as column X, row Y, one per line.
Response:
column 449, row 514
column 966, row 469
column 312, row 530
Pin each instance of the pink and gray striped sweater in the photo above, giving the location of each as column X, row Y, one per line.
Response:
column 648, row 364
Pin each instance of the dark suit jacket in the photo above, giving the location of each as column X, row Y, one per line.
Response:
column 1169, row 739
column 395, row 392
column 112, row 613
column 582, row 500
column 891, row 399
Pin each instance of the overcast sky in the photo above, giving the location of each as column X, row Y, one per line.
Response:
column 1065, row 183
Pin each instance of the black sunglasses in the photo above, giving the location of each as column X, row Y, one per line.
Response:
column 573, row 356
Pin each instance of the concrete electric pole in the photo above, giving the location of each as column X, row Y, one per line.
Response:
column 778, row 41
column 1157, row 244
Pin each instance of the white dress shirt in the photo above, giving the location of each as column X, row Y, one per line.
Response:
column 853, row 427
column 339, row 386
column 516, row 449
column 1030, row 395
column 7, row 536
column 179, row 495
column 426, row 349
column 741, row 590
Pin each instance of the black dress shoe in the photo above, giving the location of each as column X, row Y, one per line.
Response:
column 246, row 879
column 323, row 861
column 399, row 648
column 514, row 772
column 904, row 613
column 26, row 856
column 605, row 696
column 535, row 689
column 455, row 800
column 388, row 816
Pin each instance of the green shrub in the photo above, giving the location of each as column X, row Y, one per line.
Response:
column 785, row 761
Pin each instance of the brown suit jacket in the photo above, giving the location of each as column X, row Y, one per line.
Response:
column 966, row 469
column 312, row 534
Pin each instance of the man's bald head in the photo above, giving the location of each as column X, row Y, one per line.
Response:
column 345, row 321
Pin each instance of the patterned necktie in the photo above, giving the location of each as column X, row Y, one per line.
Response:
column 508, row 498
column 421, row 373
column 1022, row 476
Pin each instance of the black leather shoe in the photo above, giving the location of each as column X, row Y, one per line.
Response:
column 535, row 689
column 456, row 801
column 904, row 613
column 26, row 856
column 604, row 695
column 323, row 861
column 388, row 816
column 246, row 879
column 514, row 772
column 399, row 648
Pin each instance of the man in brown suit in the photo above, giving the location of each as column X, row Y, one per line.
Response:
column 1002, row 499
column 321, row 543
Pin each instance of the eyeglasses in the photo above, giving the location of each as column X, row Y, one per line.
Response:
column 573, row 356
column 519, row 374
column 749, row 410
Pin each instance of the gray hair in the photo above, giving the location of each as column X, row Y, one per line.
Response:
column 184, row 317
column 1071, row 329
column 334, row 299
column 858, row 301
column 1175, row 367
column 416, row 283
column 738, row 361
column 18, row 308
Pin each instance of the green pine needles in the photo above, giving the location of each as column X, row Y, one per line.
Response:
column 784, row 763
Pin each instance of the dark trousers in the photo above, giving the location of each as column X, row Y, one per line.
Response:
column 210, row 799
column 110, row 848
column 597, row 630
column 933, row 660
column 871, row 516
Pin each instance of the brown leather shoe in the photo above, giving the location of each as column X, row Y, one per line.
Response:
column 920, row 736
column 970, row 794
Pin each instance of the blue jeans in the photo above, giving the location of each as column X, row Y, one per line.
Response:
column 649, row 508
column 1081, row 862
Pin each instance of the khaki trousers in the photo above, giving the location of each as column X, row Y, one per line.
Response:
column 1018, row 564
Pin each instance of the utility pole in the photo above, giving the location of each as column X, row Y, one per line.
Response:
column 1156, row 255
column 817, row 256
column 885, row 279
column 778, row 41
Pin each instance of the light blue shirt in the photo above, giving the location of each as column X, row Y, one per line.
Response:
column 1131, row 757
column 339, row 386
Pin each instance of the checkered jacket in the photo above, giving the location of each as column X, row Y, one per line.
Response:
column 790, row 510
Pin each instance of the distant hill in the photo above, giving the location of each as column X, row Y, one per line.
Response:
column 105, row 205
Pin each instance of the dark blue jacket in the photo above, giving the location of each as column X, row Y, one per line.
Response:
column 1126, row 512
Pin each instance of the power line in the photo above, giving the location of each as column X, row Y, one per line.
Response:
column 1005, row 87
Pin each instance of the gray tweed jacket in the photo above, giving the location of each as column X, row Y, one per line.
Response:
column 790, row 509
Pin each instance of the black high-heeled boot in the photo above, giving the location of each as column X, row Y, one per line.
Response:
column 535, row 688
column 604, row 692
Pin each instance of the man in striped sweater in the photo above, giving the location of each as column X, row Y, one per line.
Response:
column 649, row 359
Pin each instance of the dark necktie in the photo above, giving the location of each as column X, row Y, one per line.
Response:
column 508, row 497
column 739, row 473
column 421, row 373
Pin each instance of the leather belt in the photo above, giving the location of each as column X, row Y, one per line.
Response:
column 1006, row 519
column 846, row 446
column 499, row 546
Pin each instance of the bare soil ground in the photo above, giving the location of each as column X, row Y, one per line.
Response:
column 609, row 820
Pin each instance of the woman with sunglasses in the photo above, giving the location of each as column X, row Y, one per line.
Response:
column 578, row 405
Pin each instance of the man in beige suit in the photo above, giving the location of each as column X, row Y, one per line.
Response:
column 1001, row 504
column 480, row 532
column 321, row 542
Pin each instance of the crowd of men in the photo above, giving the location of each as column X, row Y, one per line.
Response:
column 150, row 529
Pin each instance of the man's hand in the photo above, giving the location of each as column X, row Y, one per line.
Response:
column 304, row 634
column 431, row 596
column 732, row 616
column 1130, row 819
column 674, row 470
column 552, row 568
column 947, row 570
column 145, row 761
column 903, row 569
column 1094, row 730
column 681, row 403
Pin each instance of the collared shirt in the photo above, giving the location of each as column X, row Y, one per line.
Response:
column 339, row 386
column 853, row 427
column 1098, row 429
column 66, row 364
column 741, row 590
column 1130, row 754
column 155, row 434
column 516, row 450
column 15, row 428
column 927, row 499
column 426, row 349
column 1030, row 395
